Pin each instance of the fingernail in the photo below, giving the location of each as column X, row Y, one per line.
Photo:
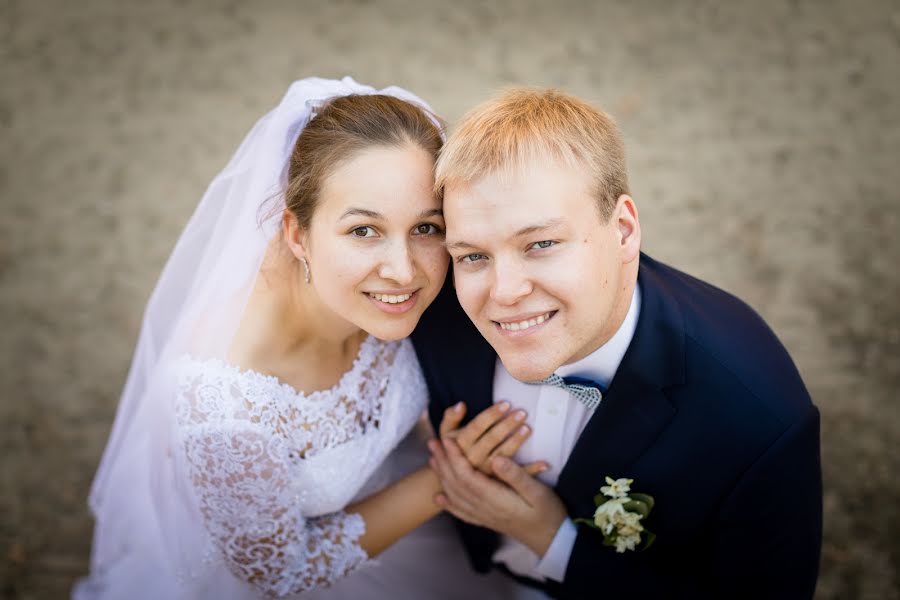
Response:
column 457, row 407
column 523, row 430
column 503, row 406
column 432, row 445
column 520, row 415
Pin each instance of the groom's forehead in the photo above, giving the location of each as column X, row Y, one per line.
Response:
column 540, row 192
column 479, row 220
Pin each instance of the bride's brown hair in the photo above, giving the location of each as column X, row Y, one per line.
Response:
column 342, row 128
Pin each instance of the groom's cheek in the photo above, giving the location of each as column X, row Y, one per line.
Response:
column 468, row 292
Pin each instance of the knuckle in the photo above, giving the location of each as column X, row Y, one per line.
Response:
column 516, row 441
column 481, row 423
column 507, row 450
column 494, row 436
column 515, row 475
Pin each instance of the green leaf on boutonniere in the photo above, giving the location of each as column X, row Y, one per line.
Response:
column 619, row 515
column 637, row 506
column 645, row 498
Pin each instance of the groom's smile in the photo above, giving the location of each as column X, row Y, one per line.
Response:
column 537, row 269
column 523, row 324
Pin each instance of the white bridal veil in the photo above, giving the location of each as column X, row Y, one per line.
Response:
column 149, row 539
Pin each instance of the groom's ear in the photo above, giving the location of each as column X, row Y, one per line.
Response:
column 294, row 234
column 628, row 226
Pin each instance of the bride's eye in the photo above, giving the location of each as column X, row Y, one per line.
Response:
column 426, row 229
column 363, row 231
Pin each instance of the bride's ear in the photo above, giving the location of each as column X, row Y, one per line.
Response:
column 294, row 234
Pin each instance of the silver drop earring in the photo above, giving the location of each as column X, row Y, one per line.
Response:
column 306, row 269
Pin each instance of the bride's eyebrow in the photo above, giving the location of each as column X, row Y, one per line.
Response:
column 371, row 214
column 431, row 212
column 361, row 212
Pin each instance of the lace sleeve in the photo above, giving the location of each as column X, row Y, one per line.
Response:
column 253, row 509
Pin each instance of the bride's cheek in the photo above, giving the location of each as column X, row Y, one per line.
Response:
column 431, row 260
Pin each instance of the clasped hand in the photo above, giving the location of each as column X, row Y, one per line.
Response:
column 483, row 486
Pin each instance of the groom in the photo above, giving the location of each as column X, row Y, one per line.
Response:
column 696, row 400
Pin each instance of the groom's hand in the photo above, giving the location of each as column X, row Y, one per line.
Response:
column 495, row 431
column 515, row 504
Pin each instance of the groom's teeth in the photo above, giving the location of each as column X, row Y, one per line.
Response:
column 521, row 325
column 391, row 299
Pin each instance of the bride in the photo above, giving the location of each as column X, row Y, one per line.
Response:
column 266, row 442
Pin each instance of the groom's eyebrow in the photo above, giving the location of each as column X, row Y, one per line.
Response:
column 459, row 246
column 529, row 230
column 539, row 227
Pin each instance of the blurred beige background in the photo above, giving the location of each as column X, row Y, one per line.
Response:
column 764, row 143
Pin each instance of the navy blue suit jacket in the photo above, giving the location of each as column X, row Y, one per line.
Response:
column 706, row 413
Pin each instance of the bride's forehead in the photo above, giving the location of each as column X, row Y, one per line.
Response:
column 392, row 181
column 382, row 165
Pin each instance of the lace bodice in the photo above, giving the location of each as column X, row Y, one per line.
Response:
column 272, row 468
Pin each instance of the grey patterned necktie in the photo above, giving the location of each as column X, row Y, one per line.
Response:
column 583, row 390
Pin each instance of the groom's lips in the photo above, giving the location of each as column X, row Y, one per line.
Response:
column 519, row 319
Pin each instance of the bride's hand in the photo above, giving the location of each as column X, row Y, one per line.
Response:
column 496, row 431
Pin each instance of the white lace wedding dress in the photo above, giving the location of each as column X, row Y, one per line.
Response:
column 272, row 469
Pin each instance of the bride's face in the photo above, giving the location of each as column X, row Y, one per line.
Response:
column 375, row 243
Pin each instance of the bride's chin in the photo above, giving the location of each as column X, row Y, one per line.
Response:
column 388, row 336
column 389, row 332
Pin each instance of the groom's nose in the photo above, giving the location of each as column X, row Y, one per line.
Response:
column 511, row 282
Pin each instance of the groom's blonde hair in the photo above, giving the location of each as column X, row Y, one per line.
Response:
column 523, row 124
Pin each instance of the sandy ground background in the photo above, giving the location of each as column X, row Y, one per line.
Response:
column 764, row 146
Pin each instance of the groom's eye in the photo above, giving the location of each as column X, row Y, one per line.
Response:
column 542, row 244
column 470, row 258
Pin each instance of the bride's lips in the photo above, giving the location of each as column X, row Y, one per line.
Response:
column 394, row 308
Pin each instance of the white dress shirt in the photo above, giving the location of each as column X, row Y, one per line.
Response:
column 557, row 420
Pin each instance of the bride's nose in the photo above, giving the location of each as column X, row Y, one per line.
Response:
column 397, row 264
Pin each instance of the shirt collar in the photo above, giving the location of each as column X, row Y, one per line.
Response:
column 602, row 363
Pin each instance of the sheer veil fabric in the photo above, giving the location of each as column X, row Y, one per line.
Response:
column 144, row 507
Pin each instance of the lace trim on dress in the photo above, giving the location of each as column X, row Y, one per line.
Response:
column 309, row 423
column 242, row 432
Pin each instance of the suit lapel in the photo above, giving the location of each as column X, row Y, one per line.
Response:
column 457, row 361
column 473, row 381
column 459, row 366
column 635, row 410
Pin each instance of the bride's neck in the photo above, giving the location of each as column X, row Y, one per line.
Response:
column 284, row 319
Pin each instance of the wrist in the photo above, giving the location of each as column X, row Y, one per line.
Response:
column 541, row 535
column 428, row 479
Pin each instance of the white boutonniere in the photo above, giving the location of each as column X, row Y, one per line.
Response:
column 619, row 514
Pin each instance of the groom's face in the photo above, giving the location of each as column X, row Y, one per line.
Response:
column 536, row 268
